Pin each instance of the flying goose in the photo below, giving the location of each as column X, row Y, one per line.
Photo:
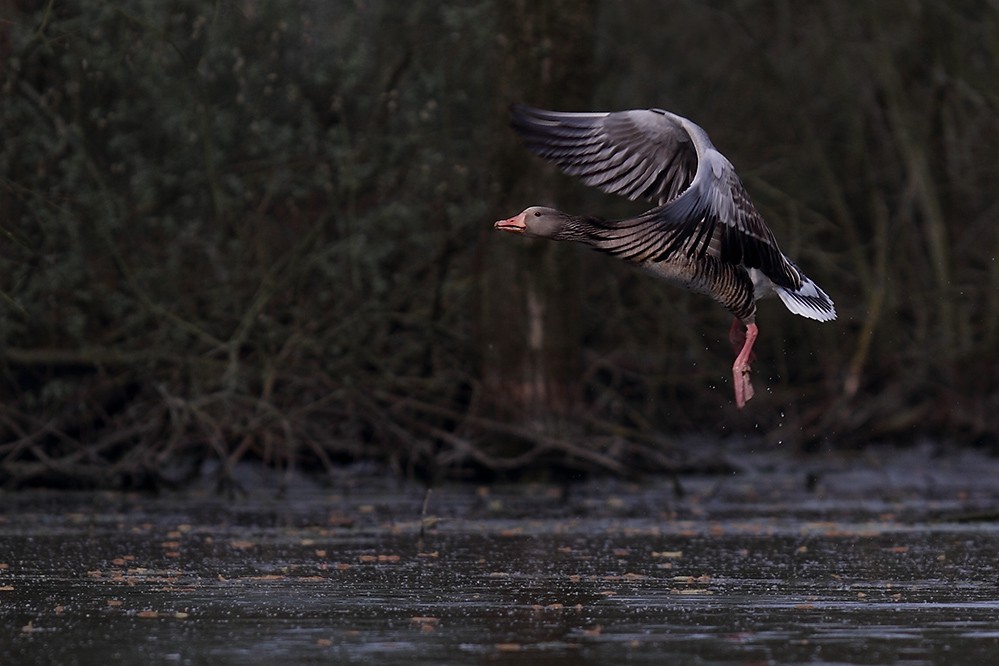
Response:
column 704, row 233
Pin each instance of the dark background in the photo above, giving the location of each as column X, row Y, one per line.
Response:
column 263, row 230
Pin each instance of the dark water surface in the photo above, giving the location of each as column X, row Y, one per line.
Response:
column 888, row 558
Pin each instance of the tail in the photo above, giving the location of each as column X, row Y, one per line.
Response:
column 808, row 300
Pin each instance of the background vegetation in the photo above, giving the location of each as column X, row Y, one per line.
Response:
column 264, row 229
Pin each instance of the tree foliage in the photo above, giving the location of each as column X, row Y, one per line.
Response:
column 264, row 228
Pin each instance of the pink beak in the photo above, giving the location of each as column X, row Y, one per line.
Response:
column 515, row 224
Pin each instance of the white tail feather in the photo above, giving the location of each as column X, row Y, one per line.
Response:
column 808, row 301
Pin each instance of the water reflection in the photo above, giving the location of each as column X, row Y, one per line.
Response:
column 605, row 573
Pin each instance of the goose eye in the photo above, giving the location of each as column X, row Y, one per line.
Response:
column 537, row 214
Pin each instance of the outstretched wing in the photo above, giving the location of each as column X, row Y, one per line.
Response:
column 638, row 154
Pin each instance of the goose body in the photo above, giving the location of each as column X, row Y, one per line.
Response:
column 704, row 234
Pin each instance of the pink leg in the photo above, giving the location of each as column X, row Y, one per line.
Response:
column 737, row 335
column 740, row 369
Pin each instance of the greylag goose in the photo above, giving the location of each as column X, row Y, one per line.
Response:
column 704, row 233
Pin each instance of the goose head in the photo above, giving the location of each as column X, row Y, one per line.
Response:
column 537, row 222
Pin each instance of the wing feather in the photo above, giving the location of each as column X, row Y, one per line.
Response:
column 638, row 154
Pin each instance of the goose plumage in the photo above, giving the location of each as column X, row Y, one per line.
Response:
column 704, row 234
